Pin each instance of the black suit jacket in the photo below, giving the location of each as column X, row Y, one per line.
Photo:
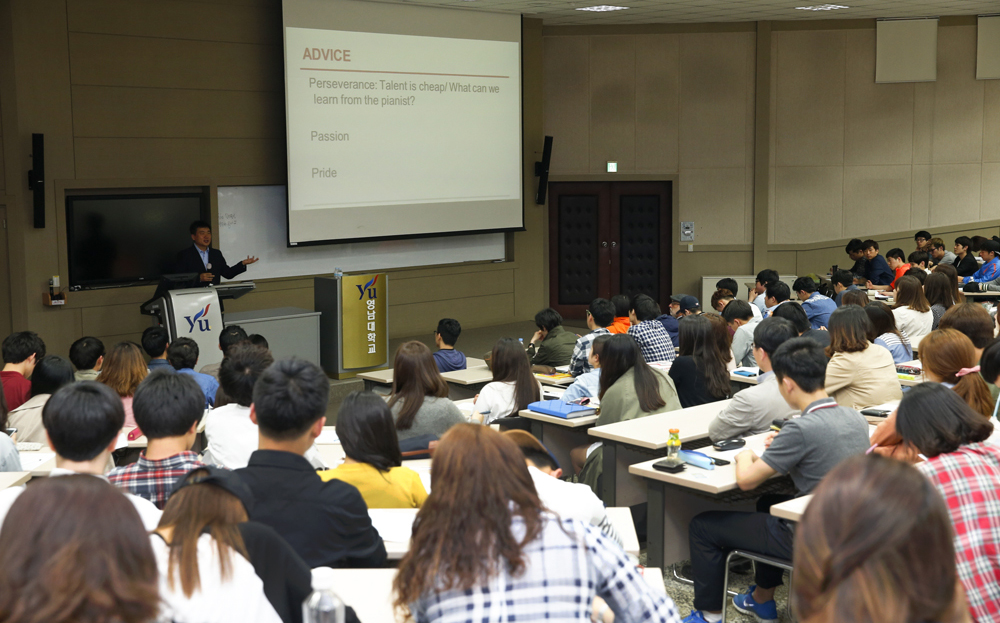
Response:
column 189, row 261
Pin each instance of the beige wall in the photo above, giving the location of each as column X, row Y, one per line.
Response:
column 189, row 93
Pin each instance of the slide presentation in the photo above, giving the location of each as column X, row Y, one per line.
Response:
column 396, row 134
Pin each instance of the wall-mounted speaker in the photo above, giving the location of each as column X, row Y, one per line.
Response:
column 36, row 178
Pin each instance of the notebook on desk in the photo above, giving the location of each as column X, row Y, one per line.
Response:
column 558, row 408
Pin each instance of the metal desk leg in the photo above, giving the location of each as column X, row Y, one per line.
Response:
column 369, row 385
column 609, row 483
column 656, row 496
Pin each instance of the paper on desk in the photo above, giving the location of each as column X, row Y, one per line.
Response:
column 392, row 526
column 550, row 391
column 328, row 436
column 562, row 368
column 752, row 369
column 31, row 460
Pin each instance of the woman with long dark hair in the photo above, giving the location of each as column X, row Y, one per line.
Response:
column 699, row 372
column 912, row 311
column 885, row 334
column 374, row 462
column 419, row 400
column 513, row 388
column 859, row 374
column 875, row 544
column 51, row 373
column 952, row 274
column 940, row 294
column 483, row 546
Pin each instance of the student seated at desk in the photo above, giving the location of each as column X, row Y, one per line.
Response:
column 917, row 273
column 419, row 399
column 965, row 262
column 987, row 277
column 374, row 463
column 87, row 355
column 723, row 339
column 806, row 449
column 183, row 356
column 752, row 410
column 912, row 311
column 965, row 470
column 843, row 281
column 588, row 385
column 742, row 322
column 513, row 387
column 879, row 273
column 50, row 374
column 855, row 250
column 167, row 410
column 569, row 500
column 796, row 315
column 21, row 351
column 885, row 334
column 818, row 307
column 445, row 337
column 229, row 337
column 205, row 549
column 629, row 389
column 758, row 297
column 919, row 259
column 326, row 523
column 776, row 294
column 123, row 370
column 728, row 284
column 700, row 373
column 939, row 291
column 855, row 297
column 600, row 315
column 860, row 374
column 552, row 345
column 905, row 549
column 648, row 332
column 82, row 422
column 939, row 255
column 669, row 320
column 485, row 548
column 155, row 341
column 949, row 271
column 895, row 259
column 621, row 322
column 79, row 532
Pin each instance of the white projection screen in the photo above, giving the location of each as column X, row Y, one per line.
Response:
column 402, row 121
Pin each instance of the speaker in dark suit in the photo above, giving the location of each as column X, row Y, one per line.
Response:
column 191, row 260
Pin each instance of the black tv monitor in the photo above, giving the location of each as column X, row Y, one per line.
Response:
column 131, row 239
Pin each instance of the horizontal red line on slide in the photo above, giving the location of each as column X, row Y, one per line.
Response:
column 407, row 73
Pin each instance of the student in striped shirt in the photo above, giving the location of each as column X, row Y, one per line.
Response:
column 885, row 334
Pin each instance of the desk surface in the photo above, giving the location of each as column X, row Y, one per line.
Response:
column 577, row 422
column 40, row 463
column 653, row 431
column 378, row 376
column 715, row 481
column 746, row 380
column 385, row 375
column 469, row 376
column 13, row 479
column 792, row 509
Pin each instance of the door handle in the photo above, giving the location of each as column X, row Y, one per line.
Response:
column 605, row 244
column 614, row 244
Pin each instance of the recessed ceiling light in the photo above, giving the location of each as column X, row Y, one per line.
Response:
column 602, row 7
column 822, row 7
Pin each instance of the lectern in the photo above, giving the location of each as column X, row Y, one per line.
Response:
column 354, row 323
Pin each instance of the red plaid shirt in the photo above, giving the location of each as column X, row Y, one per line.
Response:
column 969, row 481
column 154, row 480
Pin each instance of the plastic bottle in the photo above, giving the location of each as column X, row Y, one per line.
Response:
column 323, row 606
column 674, row 445
column 338, row 273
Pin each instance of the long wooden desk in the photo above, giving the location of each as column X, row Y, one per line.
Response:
column 13, row 479
column 376, row 378
column 369, row 591
column 793, row 509
column 633, row 441
column 469, row 382
column 745, row 380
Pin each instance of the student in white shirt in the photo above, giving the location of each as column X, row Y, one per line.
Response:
column 514, row 387
column 912, row 311
column 741, row 320
column 82, row 423
column 765, row 278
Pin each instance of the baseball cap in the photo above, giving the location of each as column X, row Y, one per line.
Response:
column 222, row 478
column 689, row 302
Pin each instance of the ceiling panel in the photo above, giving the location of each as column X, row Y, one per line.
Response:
column 563, row 12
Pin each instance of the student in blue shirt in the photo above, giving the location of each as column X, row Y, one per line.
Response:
column 183, row 356
column 588, row 384
column 445, row 336
column 879, row 273
column 817, row 307
column 989, row 273
column 843, row 281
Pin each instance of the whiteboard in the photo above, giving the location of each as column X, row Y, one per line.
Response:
column 252, row 222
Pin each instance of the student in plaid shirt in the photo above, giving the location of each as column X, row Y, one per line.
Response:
column 600, row 314
column 167, row 408
column 652, row 338
column 485, row 549
column 965, row 469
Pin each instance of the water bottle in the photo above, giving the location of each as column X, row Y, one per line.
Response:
column 338, row 273
column 674, row 446
column 323, row 606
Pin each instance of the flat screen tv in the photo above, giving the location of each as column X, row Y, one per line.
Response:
column 117, row 240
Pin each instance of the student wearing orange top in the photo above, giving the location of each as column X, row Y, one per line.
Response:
column 622, row 307
column 897, row 262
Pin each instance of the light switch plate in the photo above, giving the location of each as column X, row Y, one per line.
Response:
column 687, row 231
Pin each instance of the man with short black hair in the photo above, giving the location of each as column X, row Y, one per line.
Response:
column 167, row 409
column 648, row 332
column 729, row 284
column 82, row 422
column 183, row 356
column 965, row 264
column 765, row 278
column 988, row 275
column 752, row 410
column 918, row 259
column 21, row 351
column 922, row 239
column 843, row 281
column 797, row 316
column 806, row 449
column 87, row 355
column 940, row 255
column 856, row 251
column 554, row 343
column 327, row 523
column 155, row 341
column 209, row 263
column 879, row 273
column 742, row 322
column 897, row 264
column 817, row 307
column 446, row 335
column 600, row 315
column 229, row 337
column 776, row 294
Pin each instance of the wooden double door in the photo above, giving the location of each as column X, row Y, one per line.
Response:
column 608, row 238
